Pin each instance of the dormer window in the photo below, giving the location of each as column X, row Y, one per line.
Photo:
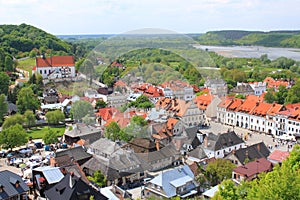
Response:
column 14, row 182
column 1, row 188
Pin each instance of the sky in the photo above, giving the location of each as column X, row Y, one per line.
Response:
column 63, row 17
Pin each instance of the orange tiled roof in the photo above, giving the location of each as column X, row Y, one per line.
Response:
column 171, row 123
column 55, row 61
column 261, row 109
column 226, row 101
column 276, row 108
column 203, row 101
column 120, row 83
column 235, row 104
column 249, row 104
column 106, row 113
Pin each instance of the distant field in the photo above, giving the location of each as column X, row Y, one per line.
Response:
column 27, row 64
column 38, row 133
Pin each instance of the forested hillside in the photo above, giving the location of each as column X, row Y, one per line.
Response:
column 268, row 39
column 21, row 40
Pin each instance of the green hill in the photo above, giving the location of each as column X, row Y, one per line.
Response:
column 234, row 37
column 20, row 40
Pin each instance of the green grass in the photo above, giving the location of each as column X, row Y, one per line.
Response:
column 27, row 64
column 39, row 132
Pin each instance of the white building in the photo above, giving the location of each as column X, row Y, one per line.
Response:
column 55, row 67
column 258, row 87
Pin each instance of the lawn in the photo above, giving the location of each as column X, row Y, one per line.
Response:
column 39, row 132
column 27, row 64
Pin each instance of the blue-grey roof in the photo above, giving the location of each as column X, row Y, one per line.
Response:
column 7, row 181
column 52, row 174
column 166, row 179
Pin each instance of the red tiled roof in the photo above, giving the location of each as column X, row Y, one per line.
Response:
column 106, row 113
column 171, row 123
column 120, row 83
column 249, row 104
column 235, row 104
column 254, row 167
column 279, row 155
column 55, row 61
column 276, row 108
column 203, row 101
column 225, row 102
column 261, row 109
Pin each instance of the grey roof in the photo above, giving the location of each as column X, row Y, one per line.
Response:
column 105, row 146
column 222, row 141
column 211, row 192
column 245, row 88
column 82, row 130
column 211, row 82
column 71, row 187
column 9, row 189
column 52, row 174
column 254, row 151
column 198, row 153
column 78, row 153
column 165, row 152
column 169, row 180
column 12, row 107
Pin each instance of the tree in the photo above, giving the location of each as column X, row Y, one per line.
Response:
column 54, row 117
column 29, row 118
column 100, row 104
column 26, row 100
column 50, row 137
column 293, row 95
column 4, row 83
column 13, row 136
column 3, row 107
column 9, row 64
column 227, row 191
column 136, row 128
column 281, row 94
column 219, row 170
column 98, row 178
column 142, row 102
column 112, row 131
column 81, row 109
column 270, row 96
column 13, row 120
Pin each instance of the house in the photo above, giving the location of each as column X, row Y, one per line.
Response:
column 162, row 158
column 258, row 87
column 178, row 89
column 271, row 83
column 119, row 166
column 242, row 89
column 250, row 170
column 78, row 154
column 12, row 186
column 222, row 144
column 44, row 178
column 105, row 114
column 72, row 187
column 114, row 192
column 249, row 153
column 141, row 145
column 177, row 182
column 216, row 87
column 93, row 94
column 78, row 131
column 196, row 155
column 116, row 100
column 278, row 156
column 55, row 67
column 222, row 109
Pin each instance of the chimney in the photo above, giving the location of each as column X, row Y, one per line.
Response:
column 258, row 147
column 157, row 145
column 205, row 141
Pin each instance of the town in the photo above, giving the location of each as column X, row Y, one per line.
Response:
column 139, row 140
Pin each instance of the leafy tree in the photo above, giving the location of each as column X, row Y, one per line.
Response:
column 13, row 120
column 112, row 131
column 293, row 95
column 50, row 137
column 227, row 191
column 281, row 94
column 240, row 96
column 9, row 63
column 4, row 83
column 26, row 100
column 100, row 104
column 98, row 178
column 142, row 102
column 33, row 53
column 81, row 109
column 136, row 128
column 270, row 96
column 29, row 118
column 219, row 170
column 54, row 117
column 13, row 136
column 3, row 107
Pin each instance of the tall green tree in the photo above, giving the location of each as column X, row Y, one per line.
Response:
column 112, row 131
column 26, row 100
column 50, row 137
column 100, row 104
column 54, row 117
column 9, row 63
column 219, row 170
column 270, row 96
column 3, row 107
column 81, row 109
column 293, row 95
column 29, row 118
column 4, row 83
column 13, row 136
column 13, row 120
column 281, row 94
